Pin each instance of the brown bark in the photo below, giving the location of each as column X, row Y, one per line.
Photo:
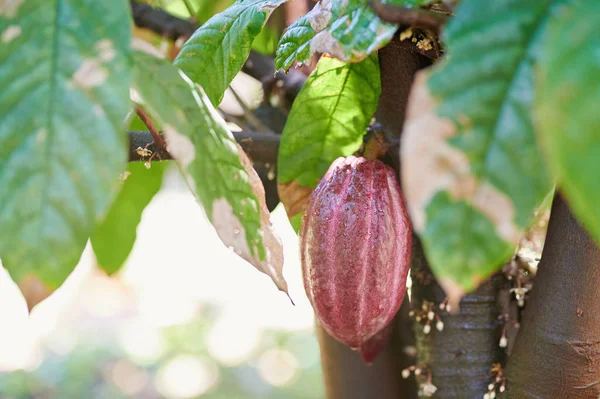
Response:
column 260, row 147
column 460, row 357
column 347, row 376
column 557, row 351
column 398, row 66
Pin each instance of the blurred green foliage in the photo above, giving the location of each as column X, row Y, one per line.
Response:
column 88, row 371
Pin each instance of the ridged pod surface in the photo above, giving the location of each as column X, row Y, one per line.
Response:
column 355, row 245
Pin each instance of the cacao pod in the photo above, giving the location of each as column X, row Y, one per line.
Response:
column 370, row 349
column 355, row 244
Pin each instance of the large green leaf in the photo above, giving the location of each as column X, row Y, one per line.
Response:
column 472, row 172
column 346, row 29
column 218, row 49
column 217, row 170
column 328, row 120
column 568, row 101
column 64, row 78
column 113, row 239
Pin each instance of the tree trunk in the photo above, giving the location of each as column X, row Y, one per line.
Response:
column 459, row 358
column 557, row 350
column 347, row 376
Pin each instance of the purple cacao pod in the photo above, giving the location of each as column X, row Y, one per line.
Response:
column 355, row 246
column 374, row 345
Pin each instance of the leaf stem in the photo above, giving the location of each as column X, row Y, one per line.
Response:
column 190, row 9
column 159, row 142
column 376, row 147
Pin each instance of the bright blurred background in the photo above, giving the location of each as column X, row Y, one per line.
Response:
column 185, row 318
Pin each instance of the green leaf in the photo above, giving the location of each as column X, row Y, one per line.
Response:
column 296, row 222
column 216, row 168
column 469, row 136
column 294, row 45
column 218, row 49
column 346, row 29
column 567, row 107
column 445, row 246
column 64, row 74
column 328, row 120
column 113, row 239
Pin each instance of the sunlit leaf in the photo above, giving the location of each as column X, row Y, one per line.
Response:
column 346, row 29
column 219, row 48
column 294, row 45
column 328, row 120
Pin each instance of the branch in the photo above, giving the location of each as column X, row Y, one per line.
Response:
column 159, row 142
column 142, row 144
column 561, row 323
column 408, row 16
column 262, row 68
column 161, row 22
column 262, row 147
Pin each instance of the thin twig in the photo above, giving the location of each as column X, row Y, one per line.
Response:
column 190, row 9
column 159, row 142
column 408, row 16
